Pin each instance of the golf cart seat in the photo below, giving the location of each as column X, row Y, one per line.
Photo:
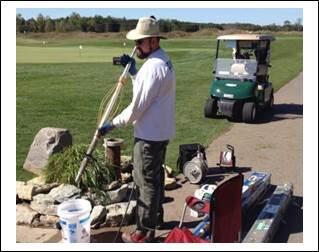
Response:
column 238, row 69
column 224, row 210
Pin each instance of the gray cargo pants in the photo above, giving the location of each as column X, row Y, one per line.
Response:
column 149, row 176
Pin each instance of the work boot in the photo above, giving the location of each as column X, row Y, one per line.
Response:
column 136, row 237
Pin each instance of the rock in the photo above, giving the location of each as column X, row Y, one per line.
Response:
column 97, row 197
column 168, row 171
column 44, row 188
column 97, row 217
column 65, row 192
column 18, row 200
column 25, row 215
column 113, row 185
column 46, row 142
column 119, row 194
column 170, row 182
column 126, row 177
column 24, row 190
column 39, row 180
column 49, row 220
column 44, row 204
column 40, row 185
column 46, row 221
column 126, row 164
column 126, row 159
column 130, row 186
column 115, row 213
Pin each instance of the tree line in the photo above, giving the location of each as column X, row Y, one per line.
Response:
column 98, row 23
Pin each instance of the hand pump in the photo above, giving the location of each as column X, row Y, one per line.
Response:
column 106, row 114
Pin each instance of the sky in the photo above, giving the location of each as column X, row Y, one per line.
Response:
column 259, row 16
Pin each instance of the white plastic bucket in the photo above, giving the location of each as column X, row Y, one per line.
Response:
column 75, row 220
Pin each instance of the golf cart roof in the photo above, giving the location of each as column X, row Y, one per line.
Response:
column 246, row 37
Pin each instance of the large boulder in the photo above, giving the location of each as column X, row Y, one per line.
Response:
column 46, row 142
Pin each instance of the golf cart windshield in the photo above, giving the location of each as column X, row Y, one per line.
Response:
column 236, row 69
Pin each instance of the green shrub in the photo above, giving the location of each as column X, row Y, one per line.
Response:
column 63, row 168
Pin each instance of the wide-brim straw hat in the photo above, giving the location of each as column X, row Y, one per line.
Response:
column 146, row 27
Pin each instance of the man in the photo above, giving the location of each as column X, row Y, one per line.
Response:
column 152, row 112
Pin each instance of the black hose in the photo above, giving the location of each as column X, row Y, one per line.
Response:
column 128, row 204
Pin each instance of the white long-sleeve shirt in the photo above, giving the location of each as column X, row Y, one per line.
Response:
column 152, row 110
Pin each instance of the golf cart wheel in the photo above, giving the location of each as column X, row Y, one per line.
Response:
column 249, row 112
column 210, row 109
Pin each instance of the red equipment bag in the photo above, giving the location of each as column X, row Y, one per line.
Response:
column 183, row 235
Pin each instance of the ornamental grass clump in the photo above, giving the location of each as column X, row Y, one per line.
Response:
column 63, row 168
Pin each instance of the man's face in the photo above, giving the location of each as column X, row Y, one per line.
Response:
column 144, row 47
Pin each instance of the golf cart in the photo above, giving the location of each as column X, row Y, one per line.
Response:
column 241, row 85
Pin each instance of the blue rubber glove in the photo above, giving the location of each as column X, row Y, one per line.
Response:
column 107, row 127
column 125, row 59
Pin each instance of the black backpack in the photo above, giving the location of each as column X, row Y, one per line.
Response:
column 187, row 152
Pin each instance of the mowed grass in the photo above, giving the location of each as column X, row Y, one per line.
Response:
column 59, row 86
column 29, row 54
